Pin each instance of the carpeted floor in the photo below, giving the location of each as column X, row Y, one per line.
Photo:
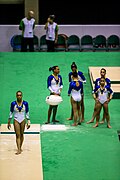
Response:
column 79, row 153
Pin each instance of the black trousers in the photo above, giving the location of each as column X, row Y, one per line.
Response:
column 50, row 46
column 25, row 43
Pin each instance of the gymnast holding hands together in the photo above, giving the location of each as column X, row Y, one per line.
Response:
column 54, row 85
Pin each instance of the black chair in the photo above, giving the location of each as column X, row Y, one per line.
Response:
column 86, row 43
column 36, row 43
column 43, row 45
column 100, row 43
column 61, row 43
column 15, row 42
column 73, row 43
column 113, row 43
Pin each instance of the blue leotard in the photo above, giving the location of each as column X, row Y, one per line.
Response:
column 54, row 85
column 102, row 94
column 20, row 112
column 76, row 90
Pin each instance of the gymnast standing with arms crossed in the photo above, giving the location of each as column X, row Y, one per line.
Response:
column 55, row 85
column 20, row 109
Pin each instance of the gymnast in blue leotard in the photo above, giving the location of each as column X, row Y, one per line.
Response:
column 97, row 83
column 55, row 85
column 82, row 78
column 103, row 74
column 20, row 110
column 76, row 92
column 102, row 95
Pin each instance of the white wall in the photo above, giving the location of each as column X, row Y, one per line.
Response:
column 7, row 31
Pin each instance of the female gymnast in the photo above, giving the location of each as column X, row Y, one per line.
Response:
column 55, row 85
column 82, row 78
column 97, row 83
column 102, row 95
column 20, row 109
column 76, row 91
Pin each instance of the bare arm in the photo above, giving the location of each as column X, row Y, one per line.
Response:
column 9, row 125
column 46, row 24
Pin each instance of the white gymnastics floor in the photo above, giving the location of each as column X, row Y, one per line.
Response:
column 28, row 164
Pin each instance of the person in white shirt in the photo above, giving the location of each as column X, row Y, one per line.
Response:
column 51, row 28
column 27, row 26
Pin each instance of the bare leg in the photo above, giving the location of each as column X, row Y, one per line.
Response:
column 97, row 121
column 82, row 109
column 71, row 117
column 93, row 116
column 49, row 114
column 54, row 114
column 107, row 114
column 98, row 110
column 18, row 130
column 74, row 105
column 22, row 128
column 104, row 117
column 79, row 112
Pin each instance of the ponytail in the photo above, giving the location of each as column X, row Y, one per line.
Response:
column 52, row 68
